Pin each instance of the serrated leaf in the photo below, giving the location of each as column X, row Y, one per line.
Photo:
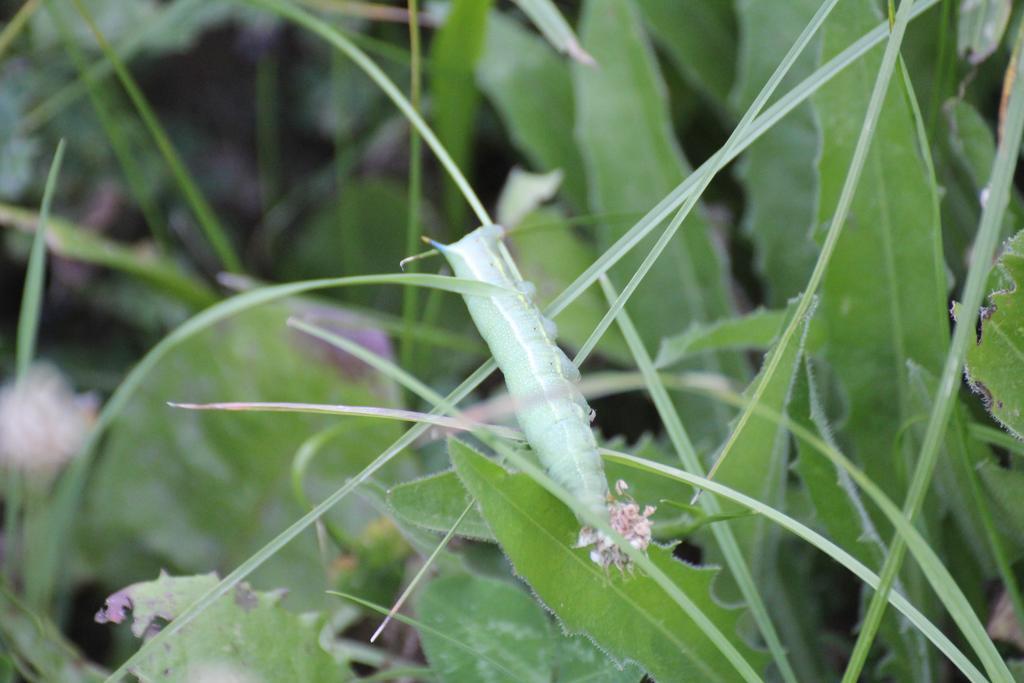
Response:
column 435, row 502
column 778, row 171
column 530, row 87
column 841, row 511
column 756, row 461
column 627, row 615
column 884, row 293
column 246, row 634
column 995, row 365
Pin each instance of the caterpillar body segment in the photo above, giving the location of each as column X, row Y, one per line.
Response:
column 540, row 378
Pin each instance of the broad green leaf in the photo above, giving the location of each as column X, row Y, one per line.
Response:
column 200, row 491
column 629, row 616
column 981, row 27
column 453, row 55
column 778, row 173
column 531, row 89
column 884, row 294
column 755, row 330
column 699, row 38
column 499, row 623
column 756, row 464
column 995, row 365
column 245, row 636
column 840, row 509
column 633, row 160
column 435, row 502
column 550, row 255
column 837, row 503
column 502, row 625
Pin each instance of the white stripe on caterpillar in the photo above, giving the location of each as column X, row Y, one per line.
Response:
column 542, row 383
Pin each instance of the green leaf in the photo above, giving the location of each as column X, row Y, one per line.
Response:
column 502, row 625
column 778, row 172
column 555, row 28
column 841, row 511
column 699, row 38
column 499, row 622
column 435, row 502
column 631, row 167
column 756, row 462
column 981, row 27
column 633, row 161
column 995, row 365
column 628, row 616
column 453, row 56
column 884, row 294
column 531, row 90
column 242, row 636
column 550, row 255
column 199, row 490
column 755, row 330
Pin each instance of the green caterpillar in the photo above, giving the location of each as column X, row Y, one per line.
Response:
column 542, row 383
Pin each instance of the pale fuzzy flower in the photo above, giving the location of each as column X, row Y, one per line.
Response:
column 627, row 520
column 42, row 423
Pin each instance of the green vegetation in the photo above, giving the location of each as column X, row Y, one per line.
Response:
column 782, row 242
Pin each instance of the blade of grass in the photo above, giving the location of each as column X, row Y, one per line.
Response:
column 836, row 553
column 512, row 676
column 16, row 24
column 938, row 576
column 422, row 571
column 390, row 370
column 75, row 242
column 860, row 153
column 982, row 253
column 32, row 296
column 118, row 143
column 706, row 174
column 412, row 230
column 758, row 127
column 303, row 18
column 53, row 105
column 688, row 455
column 354, row 411
column 211, row 226
column 25, row 350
